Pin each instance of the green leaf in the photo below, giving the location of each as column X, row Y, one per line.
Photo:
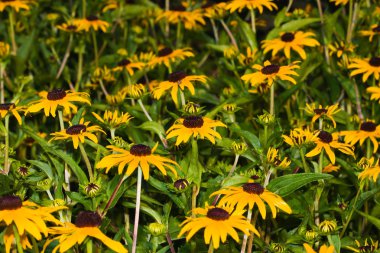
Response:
column 287, row 184
column 375, row 221
column 146, row 209
column 78, row 116
column 235, row 180
column 252, row 138
column 247, row 33
column 44, row 167
column 291, row 26
column 153, row 126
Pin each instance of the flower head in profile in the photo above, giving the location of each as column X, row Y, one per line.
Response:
column 139, row 155
column 27, row 217
column 213, row 10
column 113, row 119
column 375, row 92
column 366, row 247
column 368, row 130
column 218, row 222
column 339, row 2
column 178, row 80
column 4, row 50
column 195, row 126
column 249, row 57
column 17, row 5
column 86, row 225
column 129, row 66
column 68, row 27
column 366, row 67
column 373, row 31
column 251, row 194
column 11, row 108
column 274, row 159
column 298, row 137
column 50, row 101
column 327, row 226
column 91, row 22
column 135, row 91
column 291, row 41
column 116, row 99
column 167, row 56
column 77, row 133
column 371, row 169
column 341, row 48
column 328, row 142
column 239, row 5
column 191, row 19
column 320, row 112
column 322, row 249
column 270, row 72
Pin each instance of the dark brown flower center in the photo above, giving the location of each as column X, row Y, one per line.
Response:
column 217, row 213
column 193, row 122
column 376, row 29
column 207, row 5
column 253, row 188
column 374, row 62
column 165, row 51
column 181, row 184
column 56, row 94
column 270, row 69
column 76, row 129
column 277, row 162
column 325, row 137
column 177, row 76
column 10, row 203
column 72, row 27
column 7, row 106
column 92, row 18
column 88, row 219
column 287, row 37
column 5, row 1
column 368, row 126
column 123, row 62
column 178, row 8
column 23, row 171
column 320, row 111
column 140, row 150
column 92, row 187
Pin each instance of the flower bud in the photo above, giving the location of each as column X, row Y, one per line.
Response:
column 156, row 229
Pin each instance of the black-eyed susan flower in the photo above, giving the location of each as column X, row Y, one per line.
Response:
column 113, row 119
column 274, row 159
column 327, row 226
column 116, row 99
column 27, row 217
column 138, row 155
column 339, row 2
column 366, row 247
column 68, row 27
column 91, row 22
column 239, row 5
column 77, row 133
column 371, row 169
column 4, row 50
column 167, row 56
column 111, row 5
column 213, row 10
column 298, row 137
column 374, row 30
column 368, row 130
column 50, row 101
column 134, row 90
column 249, row 57
column 375, row 92
column 320, row 112
column 341, row 48
column 129, row 66
column 218, row 222
column 251, row 194
column 194, row 126
column 366, row 67
column 191, row 19
column 322, row 249
column 17, row 5
column 291, row 41
column 86, row 225
column 11, row 108
column 178, row 80
column 270, row 72
column 328, row 142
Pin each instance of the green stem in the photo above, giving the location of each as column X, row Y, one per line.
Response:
column 65, row 57
column 83, row 8
column 305, row 166
column 61, row 123
column 137, row 210
column 1, row 83
column 349, row 23
column 210, row 248
column 87, row 161
column 351, row 213
column 113, row 195
column 18, row 239
column 253, row 22
column 245, row 238
column 229, row 33
column 215, row 30
column 183, row 100
column 80, row 67
column 95, row 47
column 112, row 130
column 89, row 248
column 265, row 136
column 271, row 108
column 12, row 32
column 178, row 44
column 103, row 87
column 369, row 153
column 6, row 149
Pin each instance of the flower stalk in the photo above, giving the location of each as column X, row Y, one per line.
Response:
column 87, row 161
column 137, row 210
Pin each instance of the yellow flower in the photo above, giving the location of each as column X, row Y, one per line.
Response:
column 86, row 225
column 251, row 5
column 270, row 72
column 251, row 194
column 27, row 217
column 375, row 30
column 68, row 27
column 291, row 40
column 330, row 168
column 4, row 49
column 190, row 19
column 129, row 66
column 139, row 155
column 113, row 119
column 51, row 100
column 213, row 10
column 366, row 67
column 77, row 133
column 177, row 80
column 11, row 108
column 111, row 5
column 341, row 48
column 230, row 52
column 375, row 93
column 327, row 226
column 327, row 141
column 14, row 4
column 167, row 56
column 298, row 137
column 274, row 159
column 368, row 130
column 323, row 249
column 91, row 22
column 117, row 98
column 194, row 126
column 371, row 169
column 339, row 2
column 320, row 112
column 218, row 222
column 366, row 247
column 249, row 58
column 135, row 91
